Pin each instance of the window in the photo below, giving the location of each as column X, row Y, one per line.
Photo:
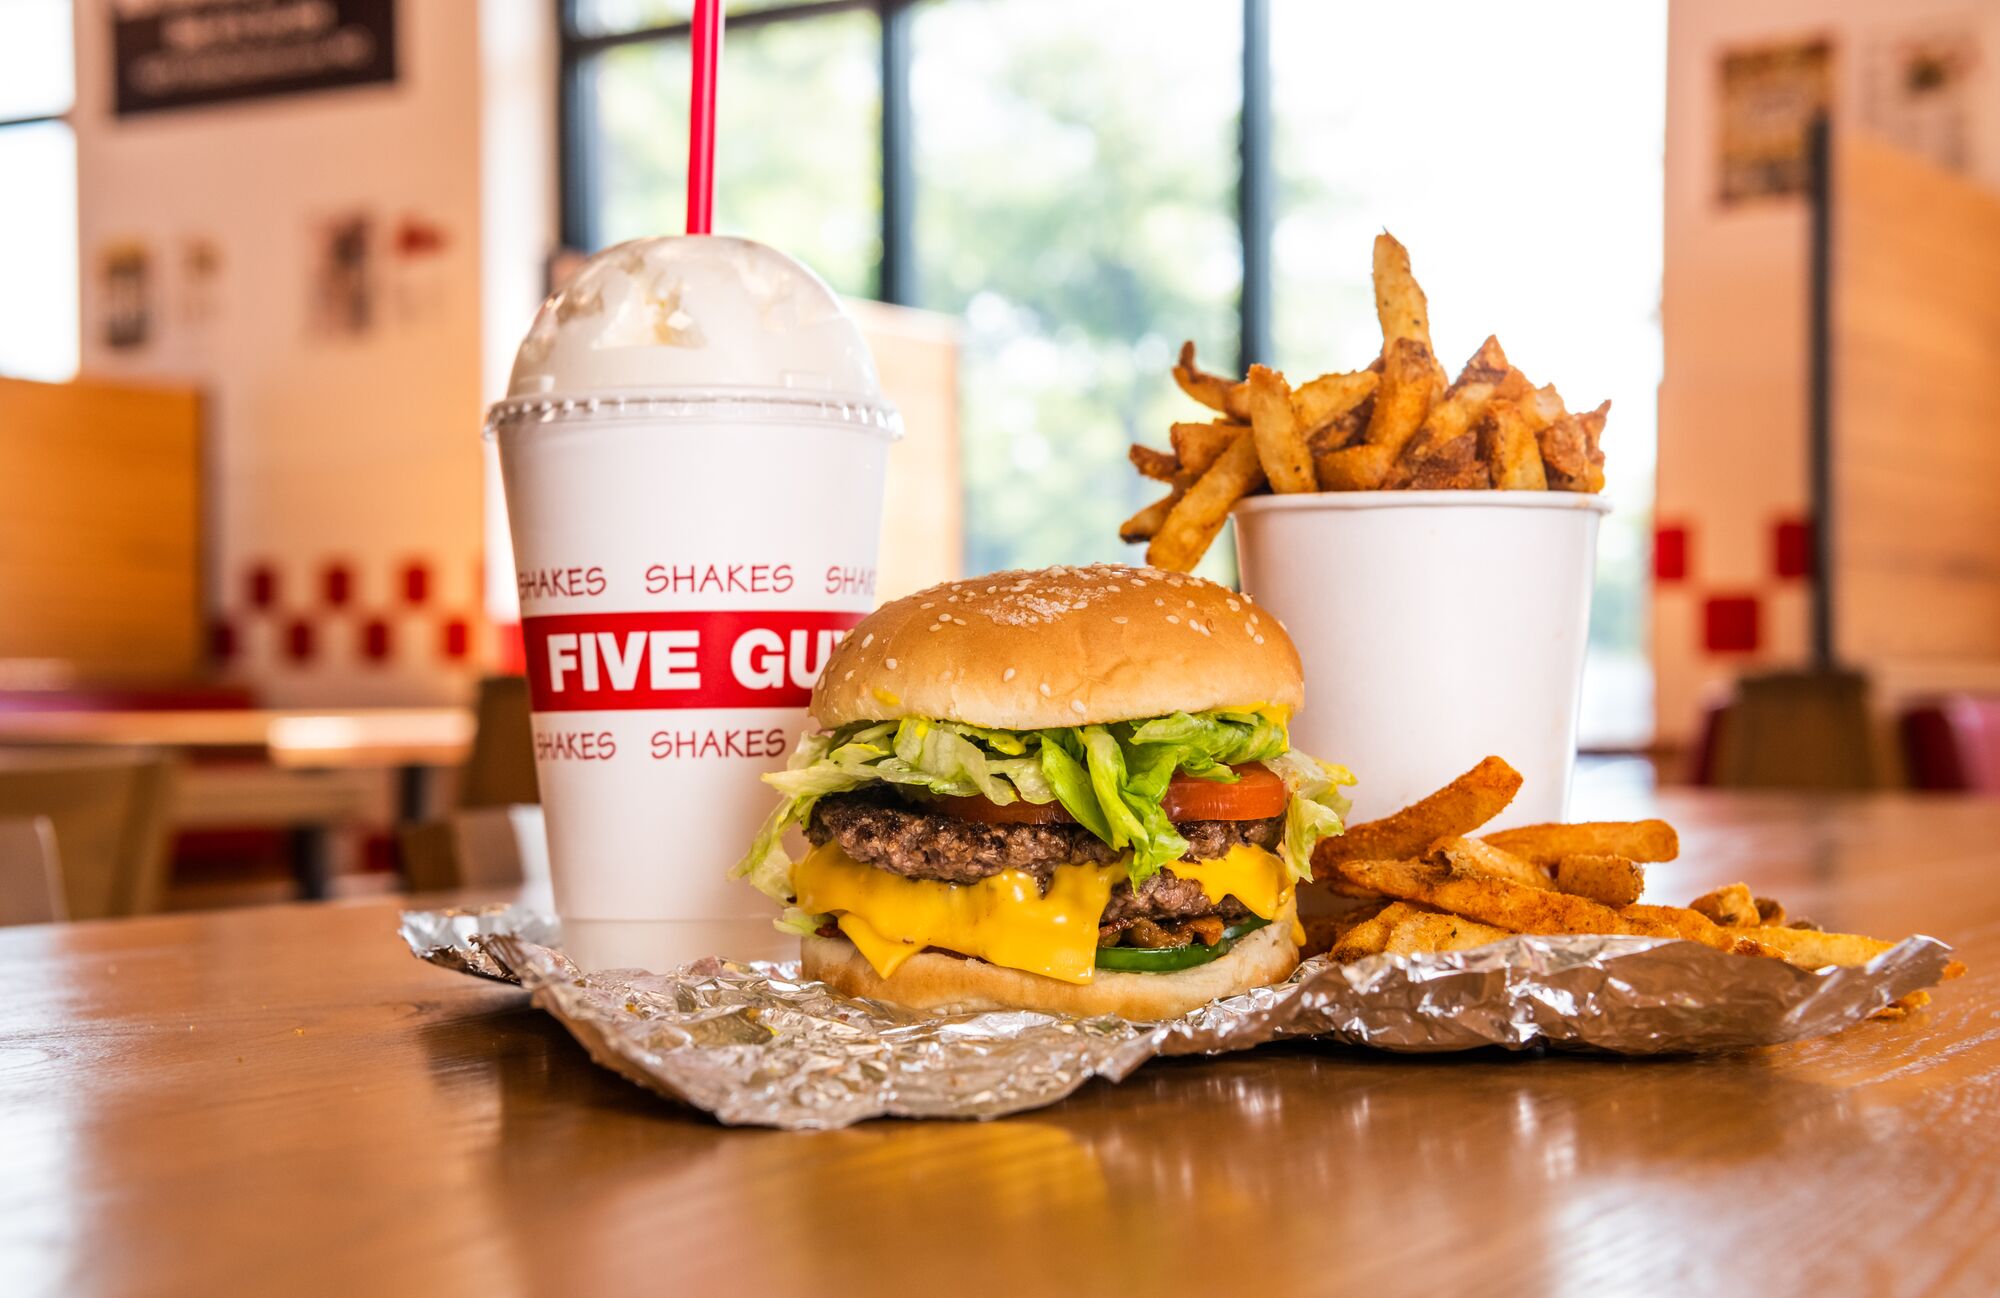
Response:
column 1078, row 222
column 800, row 115
column 1070, row 180
column 38, row 260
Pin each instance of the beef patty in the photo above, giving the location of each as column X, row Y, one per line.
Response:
column 878, row 829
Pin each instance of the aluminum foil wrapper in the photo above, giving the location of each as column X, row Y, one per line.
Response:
column 755, row 1044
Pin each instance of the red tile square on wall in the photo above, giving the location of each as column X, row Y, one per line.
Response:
column 336, row 584
column 375, row 642
column 1670, row 553
column 299, row 641
column 222, row 640
column 1791, row 548
column 457, row 639
column 1729, row 624
column 416, row 582
column 263, row 586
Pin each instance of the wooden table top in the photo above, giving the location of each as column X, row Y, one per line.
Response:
column 283, row 1101
column 298, row 737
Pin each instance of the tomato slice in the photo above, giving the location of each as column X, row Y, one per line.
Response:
column 1256, row 795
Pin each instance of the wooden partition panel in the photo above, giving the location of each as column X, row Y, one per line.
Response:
column 1915, row 276
column 100, row 536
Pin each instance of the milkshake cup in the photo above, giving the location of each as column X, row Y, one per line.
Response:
column 693, row 447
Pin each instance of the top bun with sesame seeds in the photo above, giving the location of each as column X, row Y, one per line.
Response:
column 1051, row 647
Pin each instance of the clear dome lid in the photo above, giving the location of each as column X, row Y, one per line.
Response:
column 676, row 321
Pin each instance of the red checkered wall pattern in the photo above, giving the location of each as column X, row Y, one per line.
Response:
column 1732, row 620
column 335, row 610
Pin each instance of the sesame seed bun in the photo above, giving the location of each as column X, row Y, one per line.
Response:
column 933, row 980
column 1060, row 647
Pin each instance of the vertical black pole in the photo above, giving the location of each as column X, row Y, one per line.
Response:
column 1819, row 396
column 1254, row 189
column 899, row 186
column 576, row 174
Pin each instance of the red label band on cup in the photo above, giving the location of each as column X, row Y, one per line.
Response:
column 598, row 662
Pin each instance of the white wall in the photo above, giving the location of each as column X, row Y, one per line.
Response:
column 359, row 451
column 1733, row 401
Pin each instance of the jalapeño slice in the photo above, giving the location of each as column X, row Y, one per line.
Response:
column 1172, row 959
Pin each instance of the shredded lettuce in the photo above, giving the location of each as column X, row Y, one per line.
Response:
column 799, row 923
column 1110, row 778
column 1316, row 809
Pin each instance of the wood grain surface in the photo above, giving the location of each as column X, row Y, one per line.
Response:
column 282, row 1101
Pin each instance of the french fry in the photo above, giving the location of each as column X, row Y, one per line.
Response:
column 1347, row 429
column 1448, row 420
column 1368, row 937
column 1470, row 856
column 1325, row 931
column 1160, row 466
column 1810, row 949
column 1458, row 808
column 1281, row 440
column 1612, row 880
column 1593, row 433
column 1508, row 446
column 1197, row 445
column 1486, row 366
column 1410, row 383
column 1146, row 524
column 1563, row 453
column 1195, row 519
column 1731, row 906
column 1212, row 390
column 1415, row 931
column 1770, row 912
column 1352, row 468
column 1677, row 921
column 1455, row 466
column 1325, row 399
column 1635, row 840
column 1399, row 300
column 1544, row 405
column 1403, row 929
column 1433, row 453
column 1904, row 1007
column 1522, row 909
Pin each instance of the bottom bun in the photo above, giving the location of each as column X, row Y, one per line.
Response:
column 932, row 981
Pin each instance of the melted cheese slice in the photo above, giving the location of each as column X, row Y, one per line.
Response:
column 1253, row 876
column 1005, row 919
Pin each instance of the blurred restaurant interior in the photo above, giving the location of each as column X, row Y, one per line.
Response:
column 260, row 635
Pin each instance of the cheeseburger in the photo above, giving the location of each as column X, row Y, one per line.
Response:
column 1069, row 789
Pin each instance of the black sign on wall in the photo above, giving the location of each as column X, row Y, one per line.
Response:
column 178, row 53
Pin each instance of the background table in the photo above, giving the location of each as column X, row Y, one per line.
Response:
column 283, row 1101
column 313, row 769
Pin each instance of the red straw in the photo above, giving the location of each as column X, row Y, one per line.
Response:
column 701, row 116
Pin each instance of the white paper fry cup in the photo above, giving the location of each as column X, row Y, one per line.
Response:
column 1436, row 627
column 693, row 452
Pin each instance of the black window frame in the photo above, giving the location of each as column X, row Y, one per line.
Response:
column 896, row 273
